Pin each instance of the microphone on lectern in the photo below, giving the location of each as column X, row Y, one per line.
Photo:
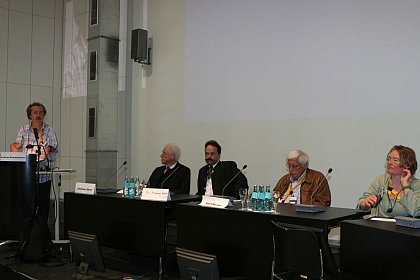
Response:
column 233, row 178
column 36, row 133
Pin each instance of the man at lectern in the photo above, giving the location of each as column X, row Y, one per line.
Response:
column 219, row 177
column 171, row 175
column 47, row 144
column 302, row 185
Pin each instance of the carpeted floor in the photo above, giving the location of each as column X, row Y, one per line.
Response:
column 118, row 264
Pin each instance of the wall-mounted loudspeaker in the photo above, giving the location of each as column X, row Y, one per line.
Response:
column 139, row 45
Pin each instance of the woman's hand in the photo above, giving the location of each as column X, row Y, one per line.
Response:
column 369, row 201
column 405, row 177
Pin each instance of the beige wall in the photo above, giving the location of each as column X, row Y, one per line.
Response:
column 31, row 69
column 35, row 37
column 355, row 147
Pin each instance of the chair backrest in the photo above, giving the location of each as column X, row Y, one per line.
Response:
column 302, row 250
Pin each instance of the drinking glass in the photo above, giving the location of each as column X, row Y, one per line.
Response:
column 275, row 198
column 243, row 196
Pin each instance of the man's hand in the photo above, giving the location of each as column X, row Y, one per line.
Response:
column 15, row 147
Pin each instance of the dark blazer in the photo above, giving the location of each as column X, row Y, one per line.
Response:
column 177, row 179
column 223, row 172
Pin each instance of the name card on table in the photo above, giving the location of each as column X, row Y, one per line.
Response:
column 215, row 202
column 85, row 188
column 156, row 194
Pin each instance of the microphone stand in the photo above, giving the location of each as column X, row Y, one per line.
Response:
column 309, row 208
column 233, row 178
column 113, row 174
column 161, row 185
column 37, row 187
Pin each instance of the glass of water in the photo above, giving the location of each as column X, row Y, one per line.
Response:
column 276, row 198
column 243, row 196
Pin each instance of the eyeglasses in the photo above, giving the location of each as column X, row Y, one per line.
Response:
column 397, row 160
column 290, row 166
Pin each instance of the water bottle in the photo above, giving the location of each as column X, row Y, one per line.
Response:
column 126, row 186
column 131, row 191
column 268, row 199
column 254, row 198
column 261, row 198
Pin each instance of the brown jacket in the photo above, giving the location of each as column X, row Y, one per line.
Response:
column 322, row 195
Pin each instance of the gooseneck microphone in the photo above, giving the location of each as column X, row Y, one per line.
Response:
column 38, row 152
column 113, row 174
column 36, row 133
column 320, row 183
column 233, row 178
column 161, row 185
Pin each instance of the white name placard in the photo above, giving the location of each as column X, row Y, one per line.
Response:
column 156, row 194
column 12, row 156
column 85, row 188
column 215, row 202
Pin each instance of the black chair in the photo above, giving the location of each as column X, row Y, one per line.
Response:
column 302, row 252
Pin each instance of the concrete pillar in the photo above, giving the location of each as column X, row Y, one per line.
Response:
column 102, row 90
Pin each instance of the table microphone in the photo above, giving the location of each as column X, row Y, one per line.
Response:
column 319, row 185
column 233, row 178
column 161, row 185
column 113, row 174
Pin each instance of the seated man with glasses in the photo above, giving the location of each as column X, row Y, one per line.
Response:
column 302, row 185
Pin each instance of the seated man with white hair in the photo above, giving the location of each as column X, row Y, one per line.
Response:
column 171, row 175
column 302, row 185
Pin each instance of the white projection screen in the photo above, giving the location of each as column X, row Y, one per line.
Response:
column 339, row 79
column 283, row 59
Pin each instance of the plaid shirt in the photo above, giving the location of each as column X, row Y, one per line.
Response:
column 26, row 136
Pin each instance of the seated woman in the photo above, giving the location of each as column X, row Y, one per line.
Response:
column 397, row 193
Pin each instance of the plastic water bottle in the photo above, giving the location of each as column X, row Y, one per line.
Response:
column 261, row 198
column 126, row 186
column 268, row 200
column 131, row 190
column 254, row 198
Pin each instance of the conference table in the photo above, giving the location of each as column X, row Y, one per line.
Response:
column 242, row 240
column 131, row 224
column 380, row 250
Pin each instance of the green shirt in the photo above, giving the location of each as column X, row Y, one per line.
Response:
column 407, row 205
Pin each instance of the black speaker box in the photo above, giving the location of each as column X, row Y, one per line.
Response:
column 139, row 44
